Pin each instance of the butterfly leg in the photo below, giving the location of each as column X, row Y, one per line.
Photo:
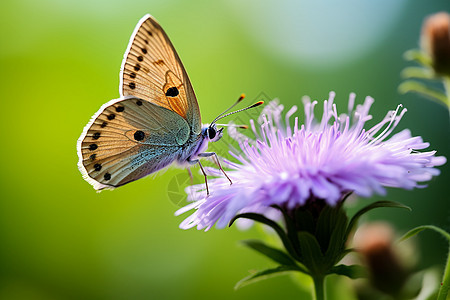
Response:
column 208, row 154
column 190, row 175
column 196, row 161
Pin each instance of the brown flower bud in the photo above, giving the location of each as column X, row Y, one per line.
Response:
column 435, row 41
column 386, row 271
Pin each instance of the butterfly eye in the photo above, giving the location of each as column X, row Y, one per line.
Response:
column 211, row 133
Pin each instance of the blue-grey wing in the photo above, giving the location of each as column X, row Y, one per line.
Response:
column 127, row 139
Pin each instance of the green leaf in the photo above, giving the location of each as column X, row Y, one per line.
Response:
column 445, row 285
column 353, row 271
column 369, row 207
column 347, row 251
column 418, row 56
column 262, row 219
column 418, row 72
column 418, row 229
column 311, row 255
column 422, row 89
column 272, row 253
column 261, row 275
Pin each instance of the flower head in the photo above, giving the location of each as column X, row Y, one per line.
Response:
column 288, row 166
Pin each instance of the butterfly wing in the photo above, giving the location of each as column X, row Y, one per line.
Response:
column 152, row 70
column 129, row 138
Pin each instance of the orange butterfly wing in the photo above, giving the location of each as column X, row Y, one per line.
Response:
column 152, row 70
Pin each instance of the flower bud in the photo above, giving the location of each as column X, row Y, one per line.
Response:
column 435, row 41
column 387, row 272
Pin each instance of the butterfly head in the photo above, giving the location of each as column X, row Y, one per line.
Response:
column 211, row 133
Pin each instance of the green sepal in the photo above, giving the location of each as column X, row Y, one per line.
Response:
column 338, row 238
column 311, row 255
column 369, row 207
column 274, row 254
column 353, row 271
column 325, row 226
column 304, row 221
column 291, row 231
column 262, row 219
column 424, row 90
column 264, row 274
column 330, row 231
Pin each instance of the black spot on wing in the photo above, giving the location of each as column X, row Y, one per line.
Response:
column 172, row 92
column 139, row 135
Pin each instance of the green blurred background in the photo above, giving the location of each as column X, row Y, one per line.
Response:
column 59, row 62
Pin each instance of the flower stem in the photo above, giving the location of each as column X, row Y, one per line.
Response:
column 447, row 90
column 318, row 287
column 445, row 286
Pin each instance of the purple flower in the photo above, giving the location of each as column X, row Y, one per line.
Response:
column 324, row 159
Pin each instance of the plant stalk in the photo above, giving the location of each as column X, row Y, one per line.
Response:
column 447, row 90
column 319, row 287
column 445, row 286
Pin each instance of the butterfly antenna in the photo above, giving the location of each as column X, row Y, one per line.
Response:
column 241, row 97
column 233, row 125
column 239, row 110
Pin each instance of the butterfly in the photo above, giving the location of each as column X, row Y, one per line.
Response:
column 155, row 122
